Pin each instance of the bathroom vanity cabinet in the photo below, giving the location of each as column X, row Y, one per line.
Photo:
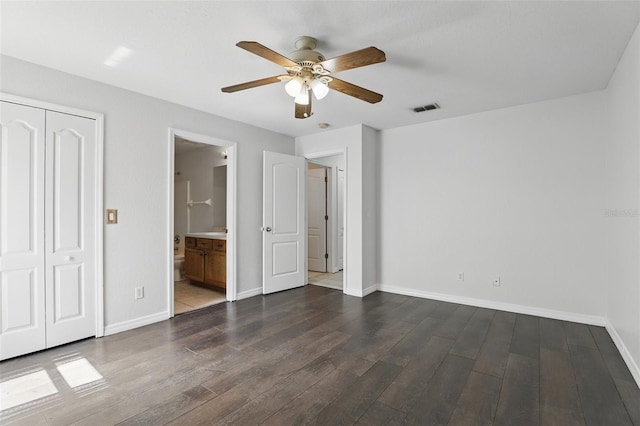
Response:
column 205, row 261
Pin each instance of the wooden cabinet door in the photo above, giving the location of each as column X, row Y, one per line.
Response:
column 209, row 269
column 194, row 264
column 219, row 261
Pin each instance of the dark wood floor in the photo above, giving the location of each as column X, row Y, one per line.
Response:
column 314, row 355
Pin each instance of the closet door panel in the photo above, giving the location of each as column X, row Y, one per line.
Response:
column 69, row 303
column 70, row 218
column 22, row 255
column 68, row 179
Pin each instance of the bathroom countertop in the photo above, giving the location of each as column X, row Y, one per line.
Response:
column 212, row 235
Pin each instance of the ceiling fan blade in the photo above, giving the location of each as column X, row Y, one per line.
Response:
column 359, row 58
column 303, row 111
column 268, row 54
column 355, row 91
column 255, row 83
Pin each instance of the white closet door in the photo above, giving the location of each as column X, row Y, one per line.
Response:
column 70, row 222
column 22, row 193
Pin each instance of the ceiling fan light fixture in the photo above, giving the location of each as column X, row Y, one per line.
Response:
column 294, row 86
column 320, row 90
column 308, row 71
column 303, row 96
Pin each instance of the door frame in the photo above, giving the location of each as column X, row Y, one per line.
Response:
column 99, row 188
column 310, row 156
column 230, row 147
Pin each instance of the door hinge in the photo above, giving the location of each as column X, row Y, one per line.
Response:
column 326, row 179
column 326, row 255
column 326, row 217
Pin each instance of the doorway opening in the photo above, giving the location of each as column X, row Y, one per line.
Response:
column 201, row 221
column 325, row 221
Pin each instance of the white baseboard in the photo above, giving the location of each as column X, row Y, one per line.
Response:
column 361, row 293
column 135, row 323
column 371, row 289
column 626, row 355
column 249, row 293
column 501, row 306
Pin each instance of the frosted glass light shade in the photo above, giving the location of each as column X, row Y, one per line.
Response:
column 303, row 97
column 320, row 89
column 294, row 86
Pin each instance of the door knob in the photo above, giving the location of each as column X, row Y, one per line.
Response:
column 267, row 229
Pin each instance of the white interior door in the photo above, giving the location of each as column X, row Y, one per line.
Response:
column 283, row 226
column 22, row 278
column 316, row 215
column 71, row 228
column 341, row 187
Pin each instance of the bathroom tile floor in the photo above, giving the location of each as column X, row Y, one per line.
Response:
column 326, row 279
column 188, row 297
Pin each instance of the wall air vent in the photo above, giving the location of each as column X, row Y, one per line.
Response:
column 427, row 107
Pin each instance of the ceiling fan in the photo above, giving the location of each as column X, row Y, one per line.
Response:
column 309, row 72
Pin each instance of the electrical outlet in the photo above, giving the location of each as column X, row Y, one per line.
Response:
column 139, row 293
column 496, row 282
column 460, row 276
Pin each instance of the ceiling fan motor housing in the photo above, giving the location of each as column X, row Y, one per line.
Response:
column 306, row 58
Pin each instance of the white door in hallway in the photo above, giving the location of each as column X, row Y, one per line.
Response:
column 283, row 222
column 48, row 228
column 317, row 219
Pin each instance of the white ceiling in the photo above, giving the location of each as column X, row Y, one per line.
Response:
column 467, row 56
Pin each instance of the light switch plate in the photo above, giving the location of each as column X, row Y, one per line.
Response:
column 112, row 216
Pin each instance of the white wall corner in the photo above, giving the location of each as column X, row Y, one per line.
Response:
column 371, row 289
column 626, row 355
column 361, row 293
column 135, row 323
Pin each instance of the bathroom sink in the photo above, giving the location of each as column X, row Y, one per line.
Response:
column 212, row 235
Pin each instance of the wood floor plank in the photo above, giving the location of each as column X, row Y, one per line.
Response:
column 269, row 402
column 354, row 401
column 526, row 337
column 403, row 393
column 624, row 381
column 444, row 310
column 380, row 414
column 470, row 339
column 405, row 350
column 478, row 402
column 579, row 334
column 438, row 400
column 519, row 396
column 169, row 409
column 601, row 402
column 559, row 399
column 552, row 335
column 494, row 352
column 307, row 405
column 341, row 358
column 414, row 310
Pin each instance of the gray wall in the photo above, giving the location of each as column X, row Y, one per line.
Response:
column 136, row 182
